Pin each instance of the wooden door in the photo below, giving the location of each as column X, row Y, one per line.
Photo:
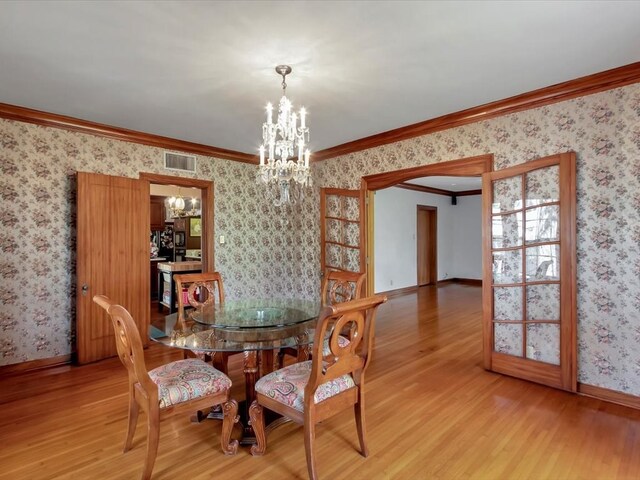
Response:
column 341, row 230
column 529, row 255
column 427, row 228
column 112, row 259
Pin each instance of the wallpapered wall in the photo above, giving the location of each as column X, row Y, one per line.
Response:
column 265, row 255
column 262, row 255
column 604, row 130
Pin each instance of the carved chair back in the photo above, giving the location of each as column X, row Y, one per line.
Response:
column 356, row 317
column 339, row 287
column 129, row 345
column 210, row 282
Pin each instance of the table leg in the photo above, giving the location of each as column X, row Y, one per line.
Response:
column 266, row 362
column 250, row 378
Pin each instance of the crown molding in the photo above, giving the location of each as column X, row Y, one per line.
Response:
column 616, row 77
column 438, row 191
column 23, row 114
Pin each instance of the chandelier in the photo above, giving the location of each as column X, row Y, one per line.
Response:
column 283, row 141
column 177, row 207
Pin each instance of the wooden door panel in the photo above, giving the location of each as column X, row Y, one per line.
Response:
column 341, row 230
column 112, row 258
column 529, row 264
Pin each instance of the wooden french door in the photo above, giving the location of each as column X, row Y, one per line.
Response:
column 112, row 259
column 529, row 287
column 341, row 230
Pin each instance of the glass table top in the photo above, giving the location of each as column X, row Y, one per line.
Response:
column 240, row 325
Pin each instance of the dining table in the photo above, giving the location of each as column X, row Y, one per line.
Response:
column 259, row 328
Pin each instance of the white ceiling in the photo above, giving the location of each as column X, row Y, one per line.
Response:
column 203, row 71
column 454, row 184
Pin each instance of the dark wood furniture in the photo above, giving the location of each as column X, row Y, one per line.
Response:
column 334, row 382
column 157, row 212
column 153, row 278
column 158, row 395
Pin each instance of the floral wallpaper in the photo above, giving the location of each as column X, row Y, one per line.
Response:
column 604, row 131
column 261, row 256
column 271, row 254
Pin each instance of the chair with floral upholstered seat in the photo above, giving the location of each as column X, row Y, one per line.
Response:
column 191, row 383
column 309, row 392
column 337, row 287
column 200, row 290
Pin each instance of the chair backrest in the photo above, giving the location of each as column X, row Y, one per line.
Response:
column 339, row 287
column 358, row 318
column 211, row 282
column 128, row 343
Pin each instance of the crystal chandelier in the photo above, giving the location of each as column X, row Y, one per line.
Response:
column 177, row 207
column 283, row 141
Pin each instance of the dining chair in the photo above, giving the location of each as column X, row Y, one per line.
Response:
column 337, row 287
column 211, row 289
column 160, row 391
column 312, row 391
column 210, row 282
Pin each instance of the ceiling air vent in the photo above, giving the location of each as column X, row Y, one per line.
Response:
column 179, row 161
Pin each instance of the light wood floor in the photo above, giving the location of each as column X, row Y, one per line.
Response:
column 432, row 412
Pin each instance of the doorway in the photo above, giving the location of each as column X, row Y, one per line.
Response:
column 427, row 243
column 184, row 237
column 466, row 167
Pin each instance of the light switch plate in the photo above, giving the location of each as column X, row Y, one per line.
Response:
column 221, row 239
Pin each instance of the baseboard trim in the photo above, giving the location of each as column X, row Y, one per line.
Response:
column 464, row 281
column 399, row 291
column 35, row 364
column 607, row 395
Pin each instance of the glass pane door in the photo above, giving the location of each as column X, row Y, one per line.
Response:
column 529, row 270
column 341, row 230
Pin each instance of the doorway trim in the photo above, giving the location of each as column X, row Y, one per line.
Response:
column 430, row 244
column 464, row 167
column 206, row 186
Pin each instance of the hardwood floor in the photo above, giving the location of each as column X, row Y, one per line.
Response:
column 432, row 413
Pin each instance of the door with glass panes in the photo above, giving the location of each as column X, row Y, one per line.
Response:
column 529, row 284
column 341, row 230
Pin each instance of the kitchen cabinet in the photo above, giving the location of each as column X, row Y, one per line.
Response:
column 157, row 213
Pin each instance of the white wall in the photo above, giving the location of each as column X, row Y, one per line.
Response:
column 395, row 255
column 467, row 237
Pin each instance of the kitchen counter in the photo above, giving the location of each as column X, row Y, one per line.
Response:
column 179, row 266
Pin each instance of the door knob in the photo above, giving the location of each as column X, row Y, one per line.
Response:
column 85, row 289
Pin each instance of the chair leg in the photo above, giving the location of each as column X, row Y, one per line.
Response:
column 309, row 442
column 153, row 436
column 256, row 415
column 134, row 408
column 230, row 410
column 361, row 425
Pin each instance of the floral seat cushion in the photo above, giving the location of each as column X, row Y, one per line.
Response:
column 186, row 379
column 287, row 385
